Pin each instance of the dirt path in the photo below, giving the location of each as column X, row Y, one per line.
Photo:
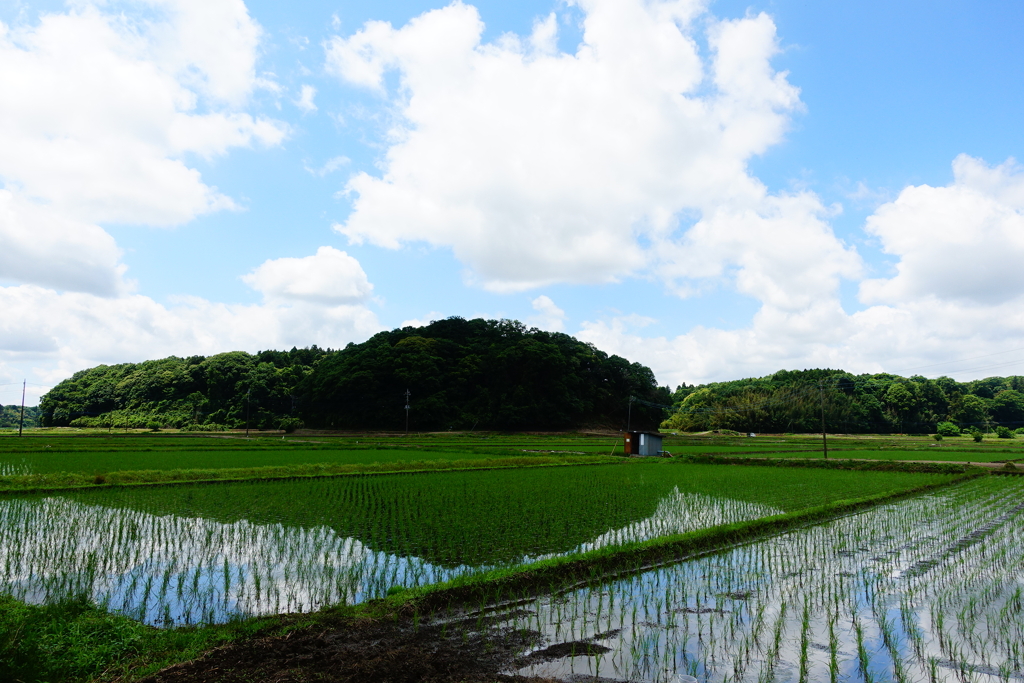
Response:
column 999, row 465
column 989, row 465
column 365, row 651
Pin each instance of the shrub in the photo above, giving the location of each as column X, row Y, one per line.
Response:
column 153, row 426
column 977, row 435
column 937, row 437
column 66, row 641
column 947, row 429
column 208, row 427
column 290, row 424
column 1003, row 432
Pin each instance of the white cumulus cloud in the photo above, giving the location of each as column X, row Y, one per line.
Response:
column 101, row 104
column 549, row 316
column 954, row 305
column 538, row 166
column 44, row 247
column 305, row 102
column 422, row 322
column 963, row 242
column 47, row 335
column 328, row 277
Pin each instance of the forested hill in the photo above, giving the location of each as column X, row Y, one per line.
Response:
column 791, row 401
column 461, row 374
column 478, row 373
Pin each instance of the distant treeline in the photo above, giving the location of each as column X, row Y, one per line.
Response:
column 204, row 393
column 10, row 416
column 461, row 374
column 792, row 401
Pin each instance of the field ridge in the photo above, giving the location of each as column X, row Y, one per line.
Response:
column 71, row 481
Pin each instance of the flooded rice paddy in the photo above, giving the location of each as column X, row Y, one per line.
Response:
column 208, row 562
column 925, row 589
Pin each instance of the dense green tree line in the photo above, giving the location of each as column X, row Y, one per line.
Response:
column 462, row 374
column 792, row 401
column 201, row 392
column 10, row 416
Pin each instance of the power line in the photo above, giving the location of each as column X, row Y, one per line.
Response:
column 991, row 367
column 947, row 362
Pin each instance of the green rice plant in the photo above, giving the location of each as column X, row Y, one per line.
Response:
column 805, row 625
column 833, row 647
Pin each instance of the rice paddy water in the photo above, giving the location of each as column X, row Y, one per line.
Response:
column 172, row 570
column 924, row 589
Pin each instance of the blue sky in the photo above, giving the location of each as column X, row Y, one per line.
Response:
column 715, row 189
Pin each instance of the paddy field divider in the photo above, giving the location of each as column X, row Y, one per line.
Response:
column 951, row 467
column 73, row 481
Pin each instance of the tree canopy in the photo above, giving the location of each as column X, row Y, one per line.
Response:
column 10, row 416
column 792, row 401
column 501, row 375
column 486, row 374
column 461, row 374
column 214, row 391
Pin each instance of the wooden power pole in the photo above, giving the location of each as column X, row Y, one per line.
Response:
column 21, row 422
column 824, row 438
column 407, row 395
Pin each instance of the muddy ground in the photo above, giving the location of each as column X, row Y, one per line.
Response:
column 385, row 651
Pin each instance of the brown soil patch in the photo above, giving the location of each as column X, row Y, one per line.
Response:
column 386, row 651
column 576, row 648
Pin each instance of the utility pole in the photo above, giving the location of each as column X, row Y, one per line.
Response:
column 629, row 414
column 824, row 439
column 21, row 422
column 247, row 404
column 407, row 395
